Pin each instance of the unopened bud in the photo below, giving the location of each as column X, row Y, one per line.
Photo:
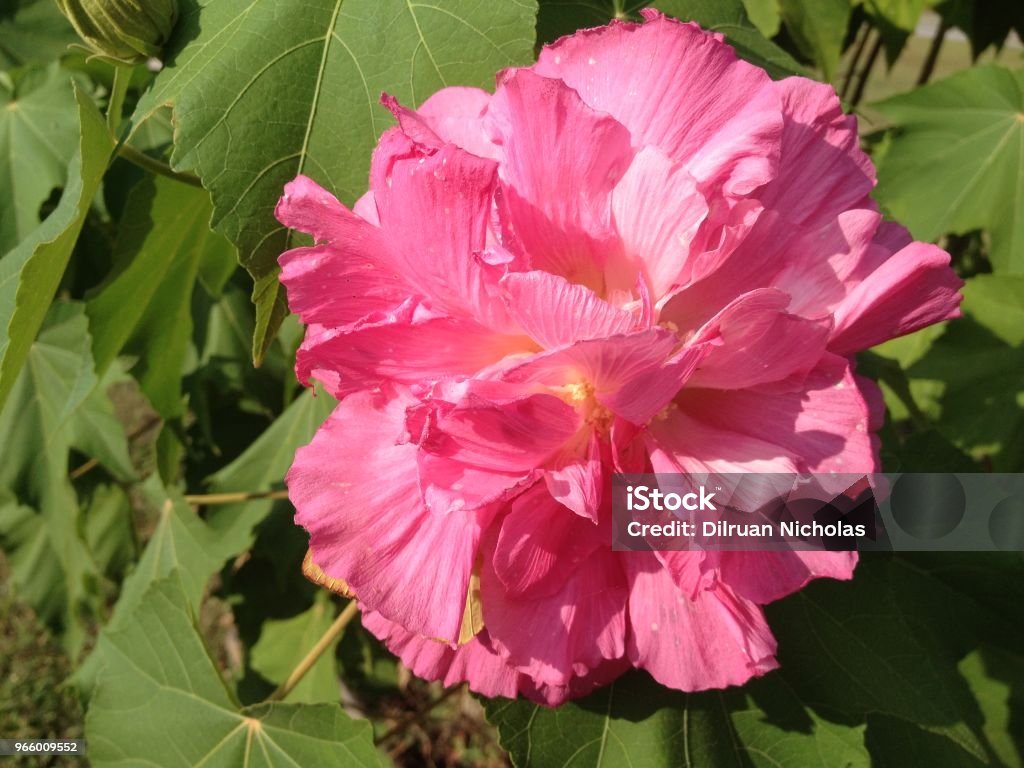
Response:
column 126, row 30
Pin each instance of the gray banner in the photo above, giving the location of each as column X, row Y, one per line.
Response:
column 937, row 512
column 10, row 747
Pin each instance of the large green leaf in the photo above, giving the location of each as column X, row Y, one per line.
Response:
column 969, row 380
column 819, row 29
column 57, row 403
column 161, row 700
column 146, row 308
column 182, row 548
column 272, row 88
column 284, row 642
column 38, row 136
column 30, row 274
column 34, row 32
column 639, row 723
column 956, row 161
column 867, row 668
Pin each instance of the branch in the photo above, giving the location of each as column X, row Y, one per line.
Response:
column 332, row 634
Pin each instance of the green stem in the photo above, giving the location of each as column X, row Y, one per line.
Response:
column 862, row 84
column 151, row 164
column 115, row 104
column 332, row 634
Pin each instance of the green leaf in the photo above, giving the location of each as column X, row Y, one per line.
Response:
column 38, row 136
column 971, row 373
column 895, row 20
column 765, row 15
column 730, row 18
column 281, row 87
column 161, row 700
column 30, row 274
column 956, row 162
column 868, row 666
column 283, row 644
column 997, row 681
column 57, row 403
column 262, row 468
column 637, row 722
column 146, row 308
column 182, row 548
column 36, row 32
column 819, row 29
column 556, row 18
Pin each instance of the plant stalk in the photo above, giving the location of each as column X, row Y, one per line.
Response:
column 211, row 499
column 115, row 103
column 933, row 54
column 328, row 637
column 151, row 164
column 862, row 83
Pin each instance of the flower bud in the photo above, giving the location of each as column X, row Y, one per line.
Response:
column 125, row 30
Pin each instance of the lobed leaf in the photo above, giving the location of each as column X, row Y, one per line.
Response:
column 269, row 89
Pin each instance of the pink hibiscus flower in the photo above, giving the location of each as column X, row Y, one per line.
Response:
column 639, row 254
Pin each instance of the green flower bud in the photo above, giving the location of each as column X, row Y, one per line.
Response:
column 125, row 30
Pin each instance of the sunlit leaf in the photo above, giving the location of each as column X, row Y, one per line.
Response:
column 38, row 136
column 819, row 28
column 269, row 89
column 57, row 403
column 30, row 274
column 145, row 309
column 956, row 162
column 160, row 699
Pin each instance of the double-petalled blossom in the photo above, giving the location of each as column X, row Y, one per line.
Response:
column 638, row 254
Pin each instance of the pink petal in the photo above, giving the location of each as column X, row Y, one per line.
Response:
column 680, row 89
column 475, row 663
column 822, row 170
column 555, row 695
column 679, row 442
column 481, row 451
column 657, row 212
column 402, row 346
column 555, row 312
column 764, row 577
column 822, row 426
column 540, row 544
column 456, row 115
column 577, row 480
column 561, row 161
column 554, row 637
column 713, row 640
column 411, row 566
column 434, row 209
column 336, row 284
column 748, row 351
column 912, row 289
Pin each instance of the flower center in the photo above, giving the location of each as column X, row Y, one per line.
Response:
column 580, row 395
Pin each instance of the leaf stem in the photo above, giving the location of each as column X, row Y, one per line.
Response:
column 333, row 633
column 118, row 90
column 210, row 499
column 862, row 84
column 933, row 53
column 151, row 164
column 858, row 51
